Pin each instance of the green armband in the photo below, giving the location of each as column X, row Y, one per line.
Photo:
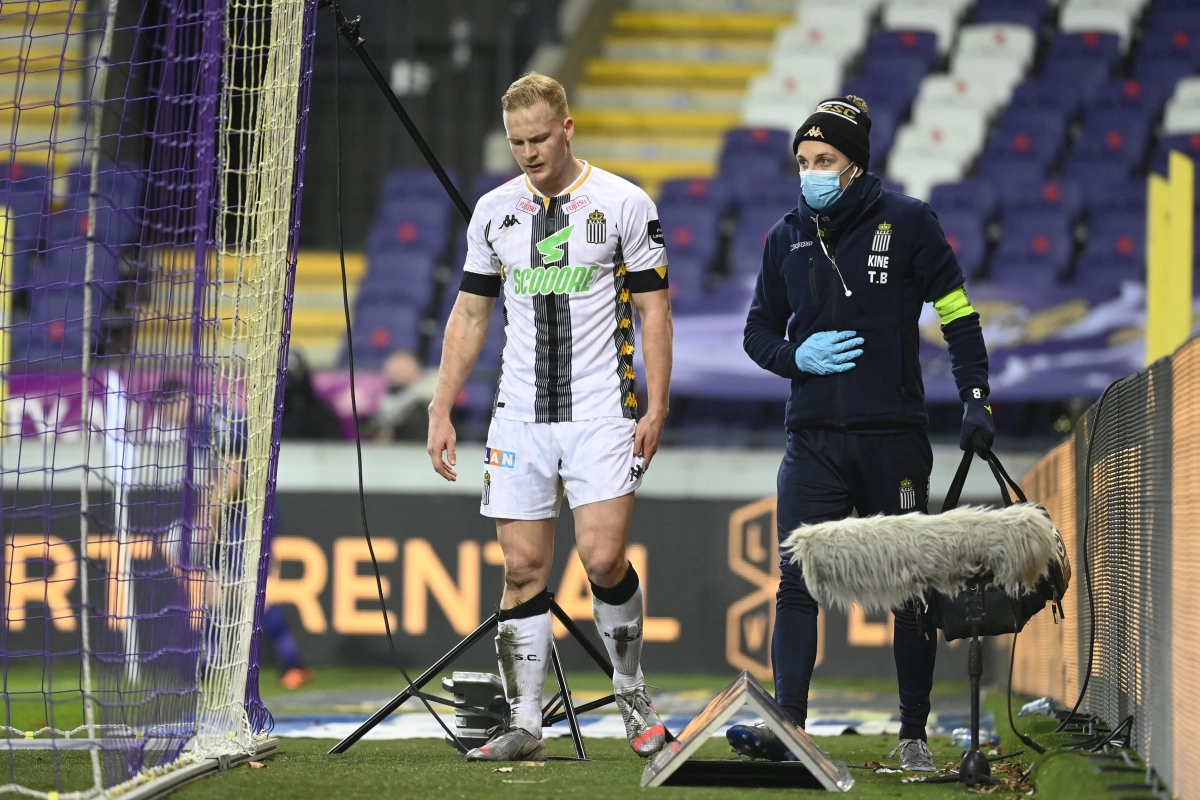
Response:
column 954, row 305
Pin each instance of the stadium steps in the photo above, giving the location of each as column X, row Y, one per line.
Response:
column 669, row 81
column 318, row 323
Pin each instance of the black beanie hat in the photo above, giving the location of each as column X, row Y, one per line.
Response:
column 843, row 123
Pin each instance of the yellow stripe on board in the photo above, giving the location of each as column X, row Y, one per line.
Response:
column 1169, row 250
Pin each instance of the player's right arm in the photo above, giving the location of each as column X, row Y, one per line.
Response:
column 466, row 332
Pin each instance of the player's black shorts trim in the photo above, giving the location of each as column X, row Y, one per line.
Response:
column 483, row 285
column 646, row 280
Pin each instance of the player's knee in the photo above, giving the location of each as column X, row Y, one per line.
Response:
column 521, row 570
column 605, row 566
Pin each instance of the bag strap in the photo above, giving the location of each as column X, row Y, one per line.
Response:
column 1003, row 479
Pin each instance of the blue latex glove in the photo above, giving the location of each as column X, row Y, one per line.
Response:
column 827, row 352
column 978, row 426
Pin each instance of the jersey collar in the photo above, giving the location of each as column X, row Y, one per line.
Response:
column 583, row 176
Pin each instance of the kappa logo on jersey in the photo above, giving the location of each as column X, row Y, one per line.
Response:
column 551, row 247
column 798, row 245
column 636, row 472
column 495, row 457
column 597, row 228
column 576, row 204
column 908, row 495
column 883, row 238
column 487, row 488
column 509, row 221
column 528, row 206
column 654, row 233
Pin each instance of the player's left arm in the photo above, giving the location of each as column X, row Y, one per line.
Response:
column 654, row 313
column 645, row 255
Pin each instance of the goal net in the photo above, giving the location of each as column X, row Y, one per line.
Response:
column 151, row 161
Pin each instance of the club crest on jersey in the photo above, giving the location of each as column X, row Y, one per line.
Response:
column 883, row 238
column 908, row 495
column 495, row 457
column 528, row 206
column 487, row 488
column 597, row 228
column 576, row 204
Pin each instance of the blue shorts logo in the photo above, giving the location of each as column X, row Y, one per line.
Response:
column 494, row 457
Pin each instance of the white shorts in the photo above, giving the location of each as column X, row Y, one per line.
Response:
column 528, row 465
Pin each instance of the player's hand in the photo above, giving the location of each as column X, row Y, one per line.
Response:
column 442, row 439
column 647, row 436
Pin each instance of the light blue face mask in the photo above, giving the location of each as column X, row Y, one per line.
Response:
column 821, row 188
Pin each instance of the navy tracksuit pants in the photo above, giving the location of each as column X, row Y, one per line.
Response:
column 825, row 475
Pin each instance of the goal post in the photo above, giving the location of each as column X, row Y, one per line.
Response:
column 151, row 162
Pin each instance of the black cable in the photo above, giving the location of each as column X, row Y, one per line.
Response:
column 362, row 497
column 1024, row 737
column 1087, row 564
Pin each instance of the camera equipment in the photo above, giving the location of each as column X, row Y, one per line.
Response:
column 975, row 571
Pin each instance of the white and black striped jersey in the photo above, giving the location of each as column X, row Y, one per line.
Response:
column 567, row 265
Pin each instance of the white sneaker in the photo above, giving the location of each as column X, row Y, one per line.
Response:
column 643, row 727
column 914, row 756
column 515, row 744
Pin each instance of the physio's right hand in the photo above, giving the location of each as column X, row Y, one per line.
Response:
column 441, row 440
column 827, row 352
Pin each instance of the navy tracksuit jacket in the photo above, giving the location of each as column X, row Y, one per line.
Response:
column 856, row 440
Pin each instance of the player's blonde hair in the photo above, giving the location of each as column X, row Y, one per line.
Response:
column 533, row 88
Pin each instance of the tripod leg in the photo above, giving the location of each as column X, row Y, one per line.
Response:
column 568, row 704
column 597, row 655
column 425, row 677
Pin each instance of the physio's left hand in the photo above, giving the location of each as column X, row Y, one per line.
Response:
column 647, row 436
column 977, row 420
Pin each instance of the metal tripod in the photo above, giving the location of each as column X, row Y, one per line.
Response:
column 560, row 707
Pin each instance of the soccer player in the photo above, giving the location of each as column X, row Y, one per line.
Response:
column 575, row 249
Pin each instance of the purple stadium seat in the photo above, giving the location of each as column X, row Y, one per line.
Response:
column 1021, row 12
column 418, row 183
column 735, row 191
column 765, row 141
column 1092, row 45
column 1132, row 94
column 1031, row 134
column 746, row 249
column 1165, row 72
column 1116, row 239
column 1006, row 173
column 399, row 276
column 690, row 229
column 884, row 122
column 1186, row 143
column 965, row 233
column 381, row 329
column 1173, row 35
column 921, row 45
column 64, row 266
column 1084, row 75
column 486, row 182
column 1050, row 195
column 757, row 151
column 1033, row 242
column 1119, row 134
column 411, row 224
column 888, row 81
column 1126, row 194
column 53, row 334
column 688, row 278
column 685, row 190
column 972, row 195
column 1097, row 176
column 1050, row 94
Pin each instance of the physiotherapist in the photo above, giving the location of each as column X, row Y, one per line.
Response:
column 844, row 277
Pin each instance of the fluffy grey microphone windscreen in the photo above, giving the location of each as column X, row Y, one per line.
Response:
column 881, row 562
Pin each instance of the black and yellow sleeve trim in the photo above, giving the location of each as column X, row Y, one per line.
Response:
column 647, row 280
column 483, row 285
